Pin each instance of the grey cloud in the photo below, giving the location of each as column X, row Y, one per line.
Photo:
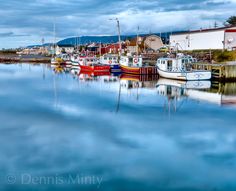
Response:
column 89, row 17
column 11, row 34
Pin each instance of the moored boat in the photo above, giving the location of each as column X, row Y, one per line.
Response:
column 89, row 64
column 180, row 68
column 134, row 65
column 95, row 68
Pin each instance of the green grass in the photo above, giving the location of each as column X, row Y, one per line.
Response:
column 224, row 56
column 7, row 51
column 218, row 56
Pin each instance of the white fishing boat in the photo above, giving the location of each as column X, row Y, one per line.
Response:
column 84, row 60
column 180, row 68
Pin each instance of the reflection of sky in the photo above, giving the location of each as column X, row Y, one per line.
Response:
column 76, row 129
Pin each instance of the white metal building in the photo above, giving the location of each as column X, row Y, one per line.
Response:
column 217, row 38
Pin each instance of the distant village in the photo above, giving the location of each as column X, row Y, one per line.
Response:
column 148, row 43
column 202, row 39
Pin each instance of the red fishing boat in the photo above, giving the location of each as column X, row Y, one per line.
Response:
column 91, row 64
column 95, row 68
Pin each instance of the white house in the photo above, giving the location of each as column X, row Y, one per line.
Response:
column 216, row 38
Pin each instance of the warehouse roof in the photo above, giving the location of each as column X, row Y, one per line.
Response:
column 205, row 30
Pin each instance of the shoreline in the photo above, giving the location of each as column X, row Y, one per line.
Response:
column 13, row 58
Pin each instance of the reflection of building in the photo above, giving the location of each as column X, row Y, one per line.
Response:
column 216, row 38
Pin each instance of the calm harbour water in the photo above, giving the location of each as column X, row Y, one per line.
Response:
column 62, row 132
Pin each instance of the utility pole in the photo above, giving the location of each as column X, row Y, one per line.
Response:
column 54, row 38
column 118, row 28
column 137, row 42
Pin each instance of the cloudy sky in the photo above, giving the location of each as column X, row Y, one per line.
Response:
column 27, row 22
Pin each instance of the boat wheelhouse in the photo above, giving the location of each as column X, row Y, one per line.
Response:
column 180, row 68
column 109, row 59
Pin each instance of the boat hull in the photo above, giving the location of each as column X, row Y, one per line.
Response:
column 115, row 68
column 149, row 70
column 95, row 68
column 191, row 76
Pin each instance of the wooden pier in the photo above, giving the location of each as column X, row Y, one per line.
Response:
column 221, row 72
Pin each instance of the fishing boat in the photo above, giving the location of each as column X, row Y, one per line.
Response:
column 112, row 60
column 180, row 68
column 134, row 65
column 95, row 68
column 89, row 64
column 83, row 59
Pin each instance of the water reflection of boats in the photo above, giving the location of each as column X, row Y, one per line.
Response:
column 212, row 97
column 185, row 84
column 137, row 81
column 88, row 75
column 58, row 69
column 177, row 91
column 199, row 91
